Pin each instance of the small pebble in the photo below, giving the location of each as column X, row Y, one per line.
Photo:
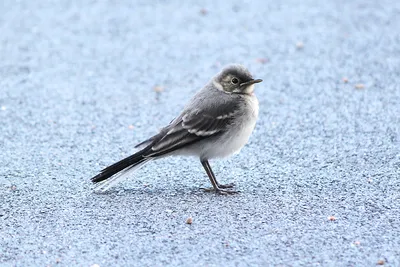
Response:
column 158, row 89
column 262, row 60
column 299, row 45
column 189, row 220
column 331, row 218
column 203, row 11
column 359, row 86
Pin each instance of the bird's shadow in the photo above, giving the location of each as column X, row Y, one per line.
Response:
column 158, row 191
column 153, row 191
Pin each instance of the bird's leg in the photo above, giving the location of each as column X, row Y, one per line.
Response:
column 223, row 186
column 210, row 174
column 221, row 189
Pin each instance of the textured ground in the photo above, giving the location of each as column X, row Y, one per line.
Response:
column 77, row 83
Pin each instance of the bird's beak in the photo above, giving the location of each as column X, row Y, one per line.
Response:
column 251, row 82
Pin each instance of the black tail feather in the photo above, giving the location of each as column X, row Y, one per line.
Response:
column 130, row 161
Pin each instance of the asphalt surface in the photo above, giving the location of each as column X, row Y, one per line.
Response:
column 78, row 89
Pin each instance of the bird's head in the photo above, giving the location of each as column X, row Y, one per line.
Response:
column 235, row 79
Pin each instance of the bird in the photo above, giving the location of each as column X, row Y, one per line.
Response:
column 216, row 123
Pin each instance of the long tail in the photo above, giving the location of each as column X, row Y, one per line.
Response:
column 119, row 171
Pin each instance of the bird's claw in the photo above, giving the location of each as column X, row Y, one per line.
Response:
column 223, row 186
column 222, row 190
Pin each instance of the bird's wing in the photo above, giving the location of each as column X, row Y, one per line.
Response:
column 154, row 138
column 193, row 126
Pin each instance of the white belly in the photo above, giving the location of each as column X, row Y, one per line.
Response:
column 238, row 135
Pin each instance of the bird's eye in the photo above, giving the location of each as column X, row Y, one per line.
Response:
column 235, row 80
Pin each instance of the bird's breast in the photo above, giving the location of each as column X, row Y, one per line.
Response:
column 233, row 140
column 252, row 105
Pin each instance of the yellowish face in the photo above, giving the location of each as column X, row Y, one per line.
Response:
column 231, row 84
column 249, row 89
column 235, row 79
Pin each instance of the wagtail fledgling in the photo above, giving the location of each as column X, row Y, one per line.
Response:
column 217, row 122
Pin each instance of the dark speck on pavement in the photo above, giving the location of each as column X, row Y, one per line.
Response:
column 319, row 179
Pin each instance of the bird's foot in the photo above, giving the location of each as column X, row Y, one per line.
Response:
column 223, row 186
column 221, row 190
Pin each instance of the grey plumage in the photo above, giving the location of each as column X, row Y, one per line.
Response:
column 217, row 122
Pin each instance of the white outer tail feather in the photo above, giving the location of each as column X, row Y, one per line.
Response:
column 103, row 186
